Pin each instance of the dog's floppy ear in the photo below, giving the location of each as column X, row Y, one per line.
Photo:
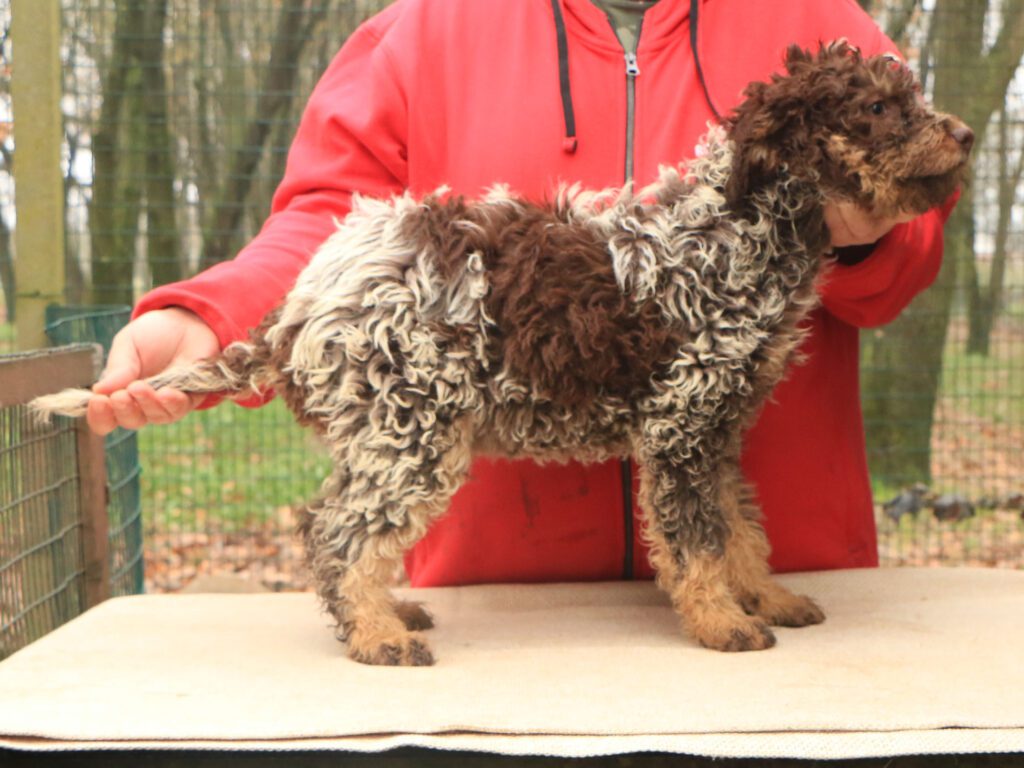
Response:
column 773, row 117
column 759, row 122
column 749, row 127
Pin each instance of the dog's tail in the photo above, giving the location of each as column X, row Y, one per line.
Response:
column 239, row 372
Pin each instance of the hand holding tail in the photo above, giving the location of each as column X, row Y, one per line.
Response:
column 151, row 344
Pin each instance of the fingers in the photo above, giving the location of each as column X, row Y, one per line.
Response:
column 161, row 406
column 111, row 406
column 136, row 406
column 123, row 365
column 149, row 344
column 849, row 224
column 99, row 414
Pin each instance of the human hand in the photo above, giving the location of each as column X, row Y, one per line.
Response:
column 146, row 346
column 850, row 224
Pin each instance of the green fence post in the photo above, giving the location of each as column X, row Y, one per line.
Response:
column 39, row 186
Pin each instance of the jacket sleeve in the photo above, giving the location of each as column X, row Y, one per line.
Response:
column 902, row 264
column 351, row 139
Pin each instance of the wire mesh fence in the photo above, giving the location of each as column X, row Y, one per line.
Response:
column 173, row 155
column 178, row 114
column 41, row 575
column 45, row 554
column 97, row 325
column 941, row 385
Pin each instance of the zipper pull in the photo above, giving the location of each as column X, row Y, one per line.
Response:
column 632, row 68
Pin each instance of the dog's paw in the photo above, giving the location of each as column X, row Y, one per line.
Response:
column 798, row 611
column 750, row 635
column 782, row 608
column 408, row 650
column 415, row 617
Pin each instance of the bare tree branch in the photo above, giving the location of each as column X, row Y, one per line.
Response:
column 899, row 20
column 998, row 67
column 297, row 20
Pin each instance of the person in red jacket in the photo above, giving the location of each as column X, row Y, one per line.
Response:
column 534, row 94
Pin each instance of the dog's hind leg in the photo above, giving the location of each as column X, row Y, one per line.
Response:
column 746, row 560
column 376, row 506
column 352, row 575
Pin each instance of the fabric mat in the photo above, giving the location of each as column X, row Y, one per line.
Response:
column 910, row 661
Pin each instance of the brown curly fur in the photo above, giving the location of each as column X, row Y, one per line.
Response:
column 823, row 105
column 651, row 324
column 573, row 332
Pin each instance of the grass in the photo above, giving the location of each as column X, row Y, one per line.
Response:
column 228, row 468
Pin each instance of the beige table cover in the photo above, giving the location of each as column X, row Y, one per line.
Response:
column 908, row 662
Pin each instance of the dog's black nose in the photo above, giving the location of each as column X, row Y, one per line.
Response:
column 964, row 137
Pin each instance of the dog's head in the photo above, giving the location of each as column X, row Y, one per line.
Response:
column 858, row 128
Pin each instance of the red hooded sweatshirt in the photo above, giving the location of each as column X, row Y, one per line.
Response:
column 466, row 93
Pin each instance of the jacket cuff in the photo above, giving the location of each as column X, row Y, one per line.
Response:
column 873, row 291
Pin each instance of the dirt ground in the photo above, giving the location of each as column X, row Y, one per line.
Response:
column 273, row 558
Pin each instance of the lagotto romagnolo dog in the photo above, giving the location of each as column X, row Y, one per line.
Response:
column 649, row 324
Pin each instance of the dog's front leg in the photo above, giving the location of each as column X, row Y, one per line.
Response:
column 688, row 537
column 746, row 554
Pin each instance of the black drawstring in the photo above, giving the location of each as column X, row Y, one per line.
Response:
column 570, row 142
column 694, row 8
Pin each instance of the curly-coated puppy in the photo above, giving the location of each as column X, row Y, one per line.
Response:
column 651, row 325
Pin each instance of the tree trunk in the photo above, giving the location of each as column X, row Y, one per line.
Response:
column 113, row 212
column 7, row 270
column 133, row 154
column 902, row 366
column 163, row 249
column 898, row 20
column 985, row 308
column 903, row 362
column 297, row 21
column 6, row 247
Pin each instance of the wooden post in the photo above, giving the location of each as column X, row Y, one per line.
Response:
column 92, row 495
column 28, row 375
column 39, row 187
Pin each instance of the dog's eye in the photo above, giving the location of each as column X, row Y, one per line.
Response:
column 878, row 108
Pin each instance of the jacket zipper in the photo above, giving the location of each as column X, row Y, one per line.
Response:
column 632, row 71
column 625, row 469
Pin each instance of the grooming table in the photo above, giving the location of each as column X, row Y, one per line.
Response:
column 910, row 661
